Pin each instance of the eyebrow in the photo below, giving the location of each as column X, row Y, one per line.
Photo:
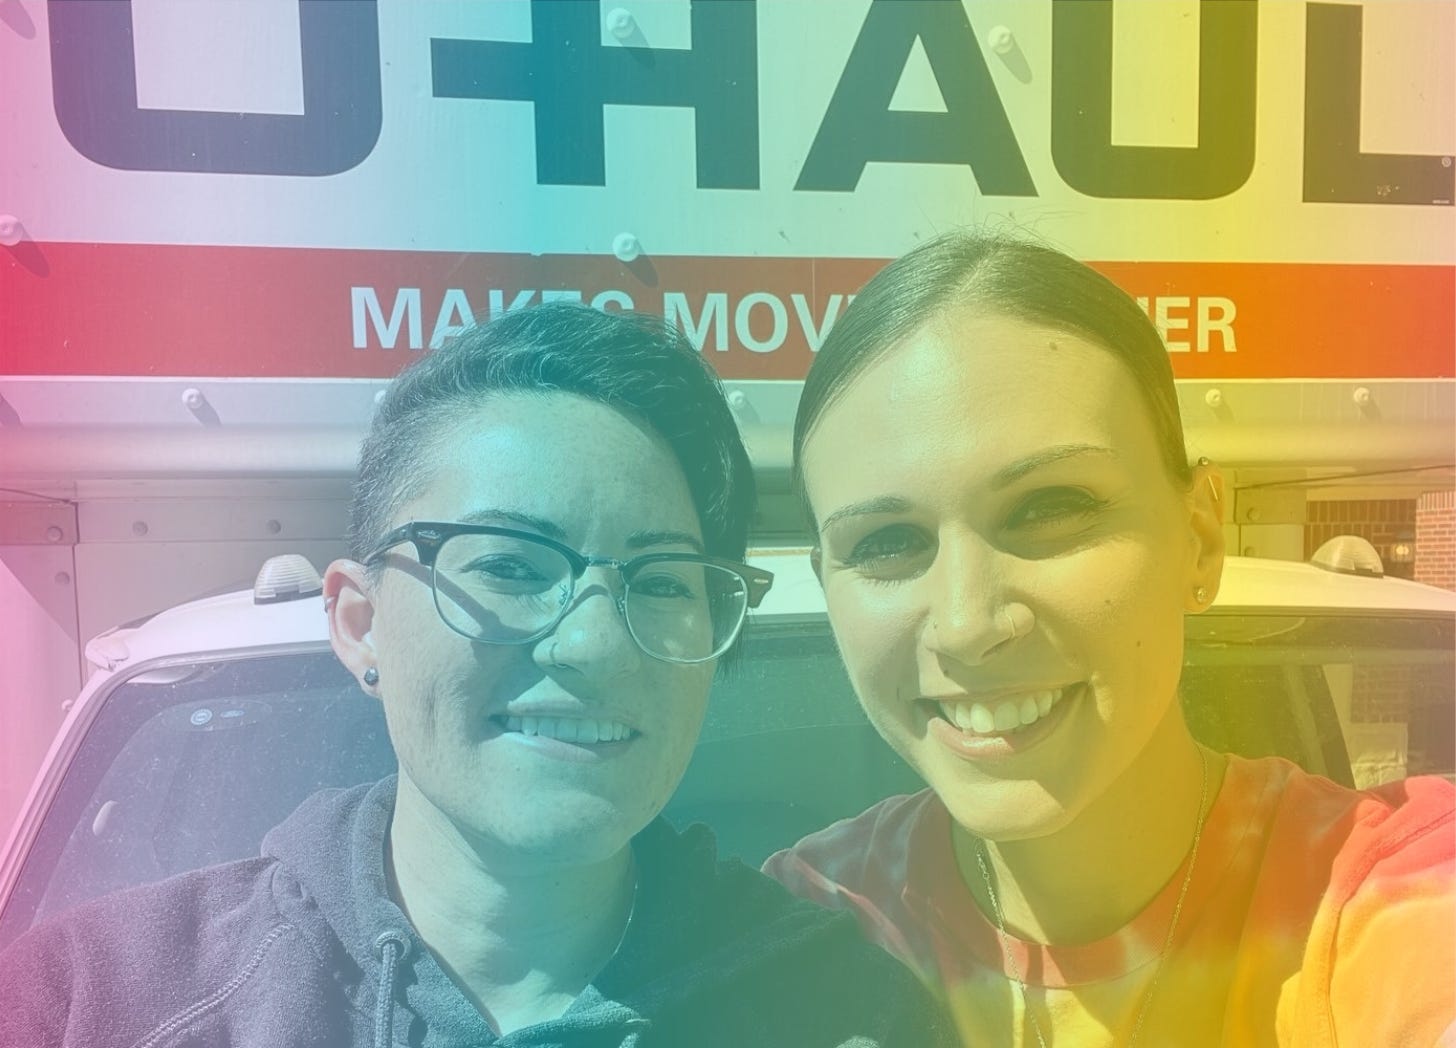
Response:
column 1049, row 456
column 1002, row 478
column 644, row 539
column 881, row 504
column 509, row 516
column 637, row 540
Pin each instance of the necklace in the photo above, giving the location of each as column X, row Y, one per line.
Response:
column 1167, row 941
column 631, row 907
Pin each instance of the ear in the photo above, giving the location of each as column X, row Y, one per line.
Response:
column 349, row 601
column 1205, row 501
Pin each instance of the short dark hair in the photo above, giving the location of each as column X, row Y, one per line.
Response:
column 1004, row 274
column 632, row 362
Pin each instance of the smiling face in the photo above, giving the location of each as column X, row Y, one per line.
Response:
column 566, row 747
column 1006, row 564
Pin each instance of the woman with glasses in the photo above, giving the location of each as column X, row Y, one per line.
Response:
column 549, row 522
column 1009, row 535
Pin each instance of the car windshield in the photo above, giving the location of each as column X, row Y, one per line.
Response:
column 1363, row 699
column 189, row 765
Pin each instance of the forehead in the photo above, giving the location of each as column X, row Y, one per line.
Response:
column 577, row 462
column 978, row 391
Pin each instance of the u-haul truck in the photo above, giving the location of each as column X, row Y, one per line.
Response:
column 225, row 225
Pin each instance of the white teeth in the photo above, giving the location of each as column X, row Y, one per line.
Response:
column 983, row 720
column 1008, row 716
column 959, row 714
column 568, row 729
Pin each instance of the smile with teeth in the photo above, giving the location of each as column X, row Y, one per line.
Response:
column 1003, row 717
column 568, row 729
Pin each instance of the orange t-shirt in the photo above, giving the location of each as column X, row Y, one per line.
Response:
column 1317, row 915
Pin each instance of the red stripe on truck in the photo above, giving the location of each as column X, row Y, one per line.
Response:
column 160, row 310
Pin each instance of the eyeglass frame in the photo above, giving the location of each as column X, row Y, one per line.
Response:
column 429, row 537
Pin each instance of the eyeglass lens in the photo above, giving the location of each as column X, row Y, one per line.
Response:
column 504, row 590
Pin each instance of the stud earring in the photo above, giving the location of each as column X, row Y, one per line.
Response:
column 371, row 676
column 1200, row 595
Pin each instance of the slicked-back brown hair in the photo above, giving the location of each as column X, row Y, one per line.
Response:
column 1007, row 276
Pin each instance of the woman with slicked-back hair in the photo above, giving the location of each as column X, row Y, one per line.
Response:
column 1009, row 536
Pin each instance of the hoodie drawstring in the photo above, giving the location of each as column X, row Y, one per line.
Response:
column 391, row 946
column 636, row 1028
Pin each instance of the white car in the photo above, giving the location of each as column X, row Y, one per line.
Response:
column 205, row 725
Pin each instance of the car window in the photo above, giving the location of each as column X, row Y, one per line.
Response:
column 190, row 766
column 187, row 766
column 785, row 749
column 1363, row 699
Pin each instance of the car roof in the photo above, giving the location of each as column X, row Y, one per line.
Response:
column 1255, row 582
column 232, row 621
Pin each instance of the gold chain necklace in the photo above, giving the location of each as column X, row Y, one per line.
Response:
column 1167, row 941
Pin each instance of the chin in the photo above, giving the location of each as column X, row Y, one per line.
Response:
column 570, row 831
column 997, row 809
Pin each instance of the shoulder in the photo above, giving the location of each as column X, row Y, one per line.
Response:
column 1380, row 868
column 840, row 989
column 1390, row 919
column 127, row 963
column 1409, row 813
column 1405, row 825
column 1392, row 849
column 770, row 968
column 886, row 867
column 1345, row 849
column 183, row 913
column 855, row 856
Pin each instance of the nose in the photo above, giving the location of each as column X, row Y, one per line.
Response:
column 592, row 637
column 968, row 619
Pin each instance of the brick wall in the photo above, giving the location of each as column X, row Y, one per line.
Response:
column 1380, row 521
column 1436, row 539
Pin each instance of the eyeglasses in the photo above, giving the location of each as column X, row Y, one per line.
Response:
column 501, row 586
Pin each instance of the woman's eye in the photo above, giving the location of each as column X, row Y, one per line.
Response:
column 1054, row 506
column 887, row 550
column 663, row 587
column 514, row 569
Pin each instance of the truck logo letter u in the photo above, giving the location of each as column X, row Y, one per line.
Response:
column 93, row 66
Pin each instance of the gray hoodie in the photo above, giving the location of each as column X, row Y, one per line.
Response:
column 303, row 946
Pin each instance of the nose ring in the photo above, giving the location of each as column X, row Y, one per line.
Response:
column 1018, row 619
